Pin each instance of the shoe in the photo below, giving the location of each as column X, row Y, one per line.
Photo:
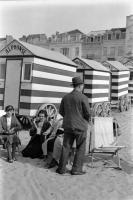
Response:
column 53, row 163
column 10, row 161
column 60, row 172
column 78, row 173
column 45, row 158
column 42, row 157
column 14, row 159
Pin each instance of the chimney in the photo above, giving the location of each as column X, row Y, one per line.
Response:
column 9, row 38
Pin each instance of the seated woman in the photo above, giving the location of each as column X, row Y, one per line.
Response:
column 48, row 144
column 57, row 149
column 37, row 132
column 9, row 125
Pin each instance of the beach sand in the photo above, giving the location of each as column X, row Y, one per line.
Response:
column 28, row 179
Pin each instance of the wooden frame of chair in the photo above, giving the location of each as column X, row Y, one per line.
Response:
column 112, row 149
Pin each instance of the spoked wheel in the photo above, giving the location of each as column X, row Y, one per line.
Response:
column 98, row 110
column 122, row 104
column 50, row 109
column 107, row 109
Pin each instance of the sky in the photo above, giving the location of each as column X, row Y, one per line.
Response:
column 18, row 18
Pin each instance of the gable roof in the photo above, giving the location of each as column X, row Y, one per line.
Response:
column 93, row 64
column 44, row 53
column 117, row 65
column 47, row 54
column 71, row 32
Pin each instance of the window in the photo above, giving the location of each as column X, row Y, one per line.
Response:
column 109, row 36
column 65, row 51
column 104, row 51
column 98, row 38
column 73, row 38
column 112, row 51
column 117, row 36
column 77, row 51
column 2, row 70
column 120, row 51
column 91, row 39
column 27, row 72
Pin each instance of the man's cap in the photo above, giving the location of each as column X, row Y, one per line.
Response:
column 77, row 81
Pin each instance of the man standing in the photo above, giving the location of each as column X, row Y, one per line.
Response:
column 75, row 110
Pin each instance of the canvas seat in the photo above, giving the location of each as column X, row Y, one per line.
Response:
column 102, row 138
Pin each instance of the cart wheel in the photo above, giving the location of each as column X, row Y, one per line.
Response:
column 98, row 110
column 107, row 109
column 50, row 109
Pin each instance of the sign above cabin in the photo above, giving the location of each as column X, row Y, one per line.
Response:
column 15, row 48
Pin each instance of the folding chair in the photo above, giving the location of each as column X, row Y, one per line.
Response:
column 102, row 138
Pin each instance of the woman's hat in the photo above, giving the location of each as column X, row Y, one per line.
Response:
column 8, row 108
column 77, row 81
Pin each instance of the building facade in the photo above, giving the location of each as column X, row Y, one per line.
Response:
column 113, row 44
column 97, row 45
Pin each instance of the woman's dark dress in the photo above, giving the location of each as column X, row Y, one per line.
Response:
column 34, row 147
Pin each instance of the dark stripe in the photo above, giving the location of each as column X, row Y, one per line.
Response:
column 80, row 70
column 120, row 76
column 131, row 85
column 120, row 83
column 37, row 93
column 96, row 77
column 114, row 98
column 53, row 70
column 118, row 91
column 24, row 105
column 130, row 91
column 1, row 90
column 2, row 103
column 97, row 95
column 96, row 86
column 46, row 81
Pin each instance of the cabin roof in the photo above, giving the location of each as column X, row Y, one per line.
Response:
column 47, row 54
column 93, row 64
column 117, row 65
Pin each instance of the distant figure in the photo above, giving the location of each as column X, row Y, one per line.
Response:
column 37, row 133
column 9, row 125
column 75, row 110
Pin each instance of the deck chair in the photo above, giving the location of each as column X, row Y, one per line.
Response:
column 102, row 138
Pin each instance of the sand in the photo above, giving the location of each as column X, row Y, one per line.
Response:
column 28, row 179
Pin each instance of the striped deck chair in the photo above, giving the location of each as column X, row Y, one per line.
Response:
column 102, row 138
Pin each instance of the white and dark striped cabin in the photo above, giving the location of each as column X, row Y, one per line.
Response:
column 130, row 86
column 96, row 79
column 31, row 76
column 119, row 79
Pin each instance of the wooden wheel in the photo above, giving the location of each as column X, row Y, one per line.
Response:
column 121, row 104
column 107, row 109
column 98, row 110
column 50, row 109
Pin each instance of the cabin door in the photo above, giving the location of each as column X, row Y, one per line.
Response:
column 12, row 83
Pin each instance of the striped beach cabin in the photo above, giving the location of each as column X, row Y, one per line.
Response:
column 130, row 86
column 119, row 84
column 96, row 79
column 31, row 76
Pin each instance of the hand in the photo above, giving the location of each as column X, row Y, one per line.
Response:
column 11, row 131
